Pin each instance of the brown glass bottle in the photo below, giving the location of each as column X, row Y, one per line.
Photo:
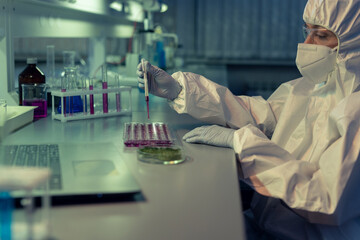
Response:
column 31, row 75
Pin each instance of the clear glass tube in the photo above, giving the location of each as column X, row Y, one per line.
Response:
column 71, row 79
column 105, row 86
column 50, row 65
column 84, row 96
column 63, row 89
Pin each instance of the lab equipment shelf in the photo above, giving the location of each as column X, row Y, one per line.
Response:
column 92, row 107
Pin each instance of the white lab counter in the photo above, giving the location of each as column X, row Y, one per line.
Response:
column 198, row 199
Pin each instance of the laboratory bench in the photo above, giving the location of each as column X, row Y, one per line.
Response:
column 197, row 199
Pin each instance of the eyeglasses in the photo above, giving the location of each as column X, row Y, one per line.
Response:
column 319, row 35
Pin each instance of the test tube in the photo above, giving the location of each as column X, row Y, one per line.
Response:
column 105, row 86
column 91, row 87
column 71, row 78
column 50, row 65
column 84, row 96
column 63, row 89
column 118, row 103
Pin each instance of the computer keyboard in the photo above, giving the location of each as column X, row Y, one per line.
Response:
column 42, row 155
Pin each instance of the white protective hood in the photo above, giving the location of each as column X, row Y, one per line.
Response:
column 300, row 148
column 342, row 18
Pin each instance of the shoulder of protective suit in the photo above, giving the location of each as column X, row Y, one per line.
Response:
column 349, row 107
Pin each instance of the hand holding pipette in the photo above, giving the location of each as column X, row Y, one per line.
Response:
column 159, row 82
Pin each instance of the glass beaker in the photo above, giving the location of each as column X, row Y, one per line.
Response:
column 75, row 103
column 69, row 58
column 35, row 95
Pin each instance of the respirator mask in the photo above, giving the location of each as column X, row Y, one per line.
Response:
column 315, row 62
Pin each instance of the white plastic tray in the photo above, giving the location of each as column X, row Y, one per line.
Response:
column 19, row 116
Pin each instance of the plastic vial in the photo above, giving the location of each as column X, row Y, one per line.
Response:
column 105, row 86
column 31, row 75
column 6, row 209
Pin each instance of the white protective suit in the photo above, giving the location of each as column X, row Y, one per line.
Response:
column 300, row 148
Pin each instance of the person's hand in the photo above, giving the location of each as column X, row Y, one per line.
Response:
column 211, row 135
column 160, row 83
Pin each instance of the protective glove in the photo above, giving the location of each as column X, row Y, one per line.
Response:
column 211, row 135
column 160, row 83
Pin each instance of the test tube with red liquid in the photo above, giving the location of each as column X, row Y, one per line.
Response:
column 117, row 95
column 105, row 86
column 91, row 87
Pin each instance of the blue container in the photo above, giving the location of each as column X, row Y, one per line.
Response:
column 6, row 209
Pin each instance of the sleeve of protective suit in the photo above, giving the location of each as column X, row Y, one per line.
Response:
column 215, row 104
column 323, row 191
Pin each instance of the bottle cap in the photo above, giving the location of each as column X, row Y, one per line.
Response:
column 31, row 60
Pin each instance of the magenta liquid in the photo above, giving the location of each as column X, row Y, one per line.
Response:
column 146, row 134
column 41, row 110
column 105, row 98
column 147, row 106
column 91, row 87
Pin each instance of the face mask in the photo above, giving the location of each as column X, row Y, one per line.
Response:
column 315, row 62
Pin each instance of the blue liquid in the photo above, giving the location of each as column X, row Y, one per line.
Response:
column 73, row 104
column 6, row 208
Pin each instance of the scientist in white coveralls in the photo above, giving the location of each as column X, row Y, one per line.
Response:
column 299, row 149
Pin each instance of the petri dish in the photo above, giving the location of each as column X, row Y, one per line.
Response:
column 167, row 155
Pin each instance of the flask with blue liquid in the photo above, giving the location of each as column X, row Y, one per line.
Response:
column 73, row 104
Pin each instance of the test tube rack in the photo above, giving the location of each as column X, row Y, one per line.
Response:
column 65, row 116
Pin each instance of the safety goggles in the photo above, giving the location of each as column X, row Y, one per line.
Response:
column 319, row 35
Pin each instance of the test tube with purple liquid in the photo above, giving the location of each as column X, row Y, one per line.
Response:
column 117, row 95
column 105, row 86
column 91, row 87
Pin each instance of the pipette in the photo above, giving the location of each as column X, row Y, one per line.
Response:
column 146, row 87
